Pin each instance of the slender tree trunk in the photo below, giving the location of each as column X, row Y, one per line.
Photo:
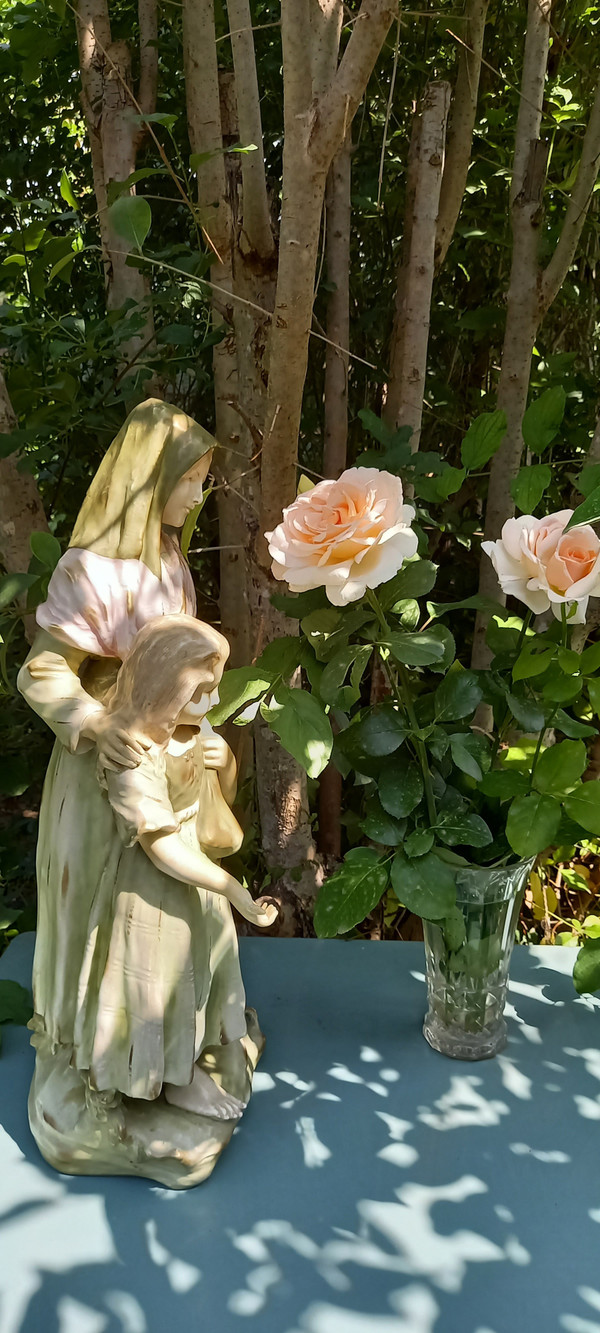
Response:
column 21, row 508
column 337, row 239
column 460, row 129
column 410, row 337
column 110, row 106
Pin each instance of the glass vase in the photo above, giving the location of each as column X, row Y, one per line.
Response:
column 467, row 961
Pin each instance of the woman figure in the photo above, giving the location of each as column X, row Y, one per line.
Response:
column 123, row 568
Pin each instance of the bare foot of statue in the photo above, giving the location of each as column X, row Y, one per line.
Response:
column 204, row 1097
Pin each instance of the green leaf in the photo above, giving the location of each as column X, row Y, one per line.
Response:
column 526, row 712
column 560, row 766
column 381, row 827
column 457, row 696
column 281, row 657
column 543, row 418
column 15, row 1003
column 469, row 752
column 588, row 512
column 569, row 660
column 503, row 785
column 238, row 688
column 458, row 829
column 419, row 649
column 483, row 438
column 67, row 190
column 319, row 625
column 561, row 689
column 531, row 661
column 298, row 605
column 475, row 603
column 400, row 785
column 593, row 687
column 303, row 728
column 131, row 217
column 334, row 675
column 353, row 891
column 425, row 886
column 46, row 549
column 571, row 726
column 454, row 929
column 418, row 843
column 379, row 732
column 447, row 641
column 586, row 973
column 583, row 805
column 588, row 479
column 415, row 579
column 529, row 485
column 590, row 659
column 532, row 823
column 13, row 586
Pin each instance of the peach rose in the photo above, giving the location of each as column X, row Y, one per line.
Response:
column 542, row 565
column 346, row 535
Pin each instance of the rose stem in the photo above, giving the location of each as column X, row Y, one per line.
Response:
column 404, row 698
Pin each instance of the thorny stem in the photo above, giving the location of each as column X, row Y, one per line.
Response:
column 402, row 693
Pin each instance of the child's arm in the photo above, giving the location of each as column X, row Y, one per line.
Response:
column 170, row 854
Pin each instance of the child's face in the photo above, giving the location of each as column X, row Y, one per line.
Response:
column 204, row 698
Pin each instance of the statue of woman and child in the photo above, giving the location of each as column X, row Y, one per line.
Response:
column 145, row 1048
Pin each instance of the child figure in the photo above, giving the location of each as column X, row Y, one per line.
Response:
column 161, row 1004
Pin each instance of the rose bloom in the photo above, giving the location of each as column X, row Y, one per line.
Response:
column 346, row 535
column 542, row 565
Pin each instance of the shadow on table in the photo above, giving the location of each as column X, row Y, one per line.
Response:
column 373, row 1187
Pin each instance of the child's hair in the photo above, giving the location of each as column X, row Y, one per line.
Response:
column 169, row 660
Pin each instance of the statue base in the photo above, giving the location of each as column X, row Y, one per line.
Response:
column 81, row 1132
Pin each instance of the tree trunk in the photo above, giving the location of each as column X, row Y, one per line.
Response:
column 460, row 129
column 337, row 240
column 115, row 136
column 410, row 337
column 21, row 508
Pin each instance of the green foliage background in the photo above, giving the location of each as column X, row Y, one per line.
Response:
column 62, row 350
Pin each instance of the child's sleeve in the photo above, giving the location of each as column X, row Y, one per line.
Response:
column 140, row 799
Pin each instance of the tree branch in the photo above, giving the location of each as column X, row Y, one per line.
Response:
column 460, row 130
column 577, row 209
column 255, row 201
column 336, row 108
column 535, row 60
column 326, row 17
column 296, row 44
column 148, row 21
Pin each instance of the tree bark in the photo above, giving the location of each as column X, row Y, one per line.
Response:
column 460, row 129
column 21, row 508
column 115, row 138
column 337, row 253
column 410, row 336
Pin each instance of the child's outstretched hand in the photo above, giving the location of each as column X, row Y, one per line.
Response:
column 260, row 912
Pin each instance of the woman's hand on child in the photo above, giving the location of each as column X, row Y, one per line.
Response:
column 117, row 747
column 216, row 752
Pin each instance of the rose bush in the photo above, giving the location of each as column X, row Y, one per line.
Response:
column 346, row 535
column 544, row 566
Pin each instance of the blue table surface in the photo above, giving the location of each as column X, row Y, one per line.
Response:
column 373, row 1187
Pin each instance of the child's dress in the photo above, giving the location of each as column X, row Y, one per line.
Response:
column 160, row 979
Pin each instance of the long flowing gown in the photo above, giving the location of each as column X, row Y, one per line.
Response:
column 135, row 972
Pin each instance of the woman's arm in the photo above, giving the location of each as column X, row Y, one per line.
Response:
column 170, row 854
column 50, row 683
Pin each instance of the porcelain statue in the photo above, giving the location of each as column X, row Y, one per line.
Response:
column 145, row 1048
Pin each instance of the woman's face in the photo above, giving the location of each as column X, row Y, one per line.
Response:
column 187, row 493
